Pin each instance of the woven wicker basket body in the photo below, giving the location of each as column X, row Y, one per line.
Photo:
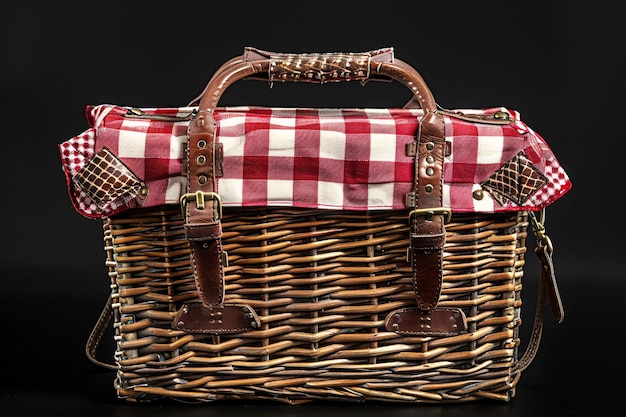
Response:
column 322, row 283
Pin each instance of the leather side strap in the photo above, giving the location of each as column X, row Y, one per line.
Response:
column 93, row 342
column 544, row 250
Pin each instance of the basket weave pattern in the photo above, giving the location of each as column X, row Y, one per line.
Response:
column 322, row 283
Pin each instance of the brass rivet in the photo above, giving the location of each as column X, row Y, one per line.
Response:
column 201, row 159
column 430, row 159
column 201, row 144
column 430, row 171
column 202, row 179
column 144, row 191
column 429, row 188
column 501, row 115
column 200, row 121
column 430, row 146
column 478, row 194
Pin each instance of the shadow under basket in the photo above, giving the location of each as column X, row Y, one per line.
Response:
column 321, row 283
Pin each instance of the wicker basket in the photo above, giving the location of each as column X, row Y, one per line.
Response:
column 303, row 254
column 321, row 283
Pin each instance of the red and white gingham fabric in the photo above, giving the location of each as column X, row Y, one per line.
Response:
column 152, row 149
column 356, row 158
column 314, row 158
column 478, row 150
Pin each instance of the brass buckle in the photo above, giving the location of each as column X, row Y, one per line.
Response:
column 201, row 197
column 429, row 213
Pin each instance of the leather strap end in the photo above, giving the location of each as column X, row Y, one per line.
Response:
column 437, row 322
column 216, row 319
column 548, row 279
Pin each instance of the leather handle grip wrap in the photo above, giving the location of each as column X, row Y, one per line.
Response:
column 319, row 67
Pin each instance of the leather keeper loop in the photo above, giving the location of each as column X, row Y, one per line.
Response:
column 205, row 231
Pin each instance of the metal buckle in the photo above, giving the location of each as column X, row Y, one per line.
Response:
column 429, row 213
column 543, row 240
column 200, row 198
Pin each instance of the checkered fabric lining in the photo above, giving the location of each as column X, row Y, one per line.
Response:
column 321, row 158
column 356, row 159
column 151, row 149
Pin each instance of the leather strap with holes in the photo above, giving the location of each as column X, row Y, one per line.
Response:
column 427, row 239
column 202, row 211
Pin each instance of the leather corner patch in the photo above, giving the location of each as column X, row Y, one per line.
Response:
column 515, row 181
column 107, row 181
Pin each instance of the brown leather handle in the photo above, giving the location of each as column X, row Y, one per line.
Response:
column 236, row 60
column 248, row 57
column 308, row 68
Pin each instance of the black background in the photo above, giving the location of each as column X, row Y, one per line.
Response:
column 559, row 63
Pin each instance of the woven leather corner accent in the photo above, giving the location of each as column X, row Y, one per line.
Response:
column 516, row 181
column 106, row 180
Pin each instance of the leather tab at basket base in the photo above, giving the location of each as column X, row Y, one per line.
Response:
column 437, row 322
column 217, row 319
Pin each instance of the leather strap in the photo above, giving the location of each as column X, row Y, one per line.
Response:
column 548, row 276
column 427, row 230
column 202, row 211
column 544, row 250
column 427, row 238
column 548, row 289
column 93, row 342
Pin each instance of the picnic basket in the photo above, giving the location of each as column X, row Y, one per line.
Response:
column 299, row 254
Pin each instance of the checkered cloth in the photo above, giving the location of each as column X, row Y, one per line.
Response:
column 152, row 149
column 321, row 158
